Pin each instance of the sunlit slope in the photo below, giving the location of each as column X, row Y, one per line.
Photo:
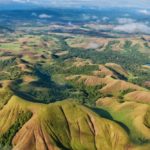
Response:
column 61, row 125
column 66, row 125
column 132, row 115
column 139, row 96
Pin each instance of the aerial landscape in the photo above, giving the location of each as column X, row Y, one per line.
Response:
column 74, row 75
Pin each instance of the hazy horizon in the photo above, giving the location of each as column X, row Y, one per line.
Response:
column 78, row 3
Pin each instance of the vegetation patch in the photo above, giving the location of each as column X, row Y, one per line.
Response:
column 6, row 138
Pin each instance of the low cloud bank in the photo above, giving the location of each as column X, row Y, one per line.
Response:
column 125, row 20
column 144, row 11
column 44, row 16
column 135, row 27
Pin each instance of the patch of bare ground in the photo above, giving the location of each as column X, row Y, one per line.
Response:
column 139, row 96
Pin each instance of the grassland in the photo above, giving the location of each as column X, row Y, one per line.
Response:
column 62, row 91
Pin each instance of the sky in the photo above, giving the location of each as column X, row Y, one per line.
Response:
column 78, row 3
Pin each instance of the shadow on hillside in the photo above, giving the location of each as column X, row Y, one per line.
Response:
column 105, row 114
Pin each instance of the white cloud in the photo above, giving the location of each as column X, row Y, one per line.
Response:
column 22, row 1
column 125, row 20
column 44, row 16
column 105, row 18
column 144, row 11
column 34, row 14
column 135, row 27
column 36, row 2
column 94, row 17
column 86, row 17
